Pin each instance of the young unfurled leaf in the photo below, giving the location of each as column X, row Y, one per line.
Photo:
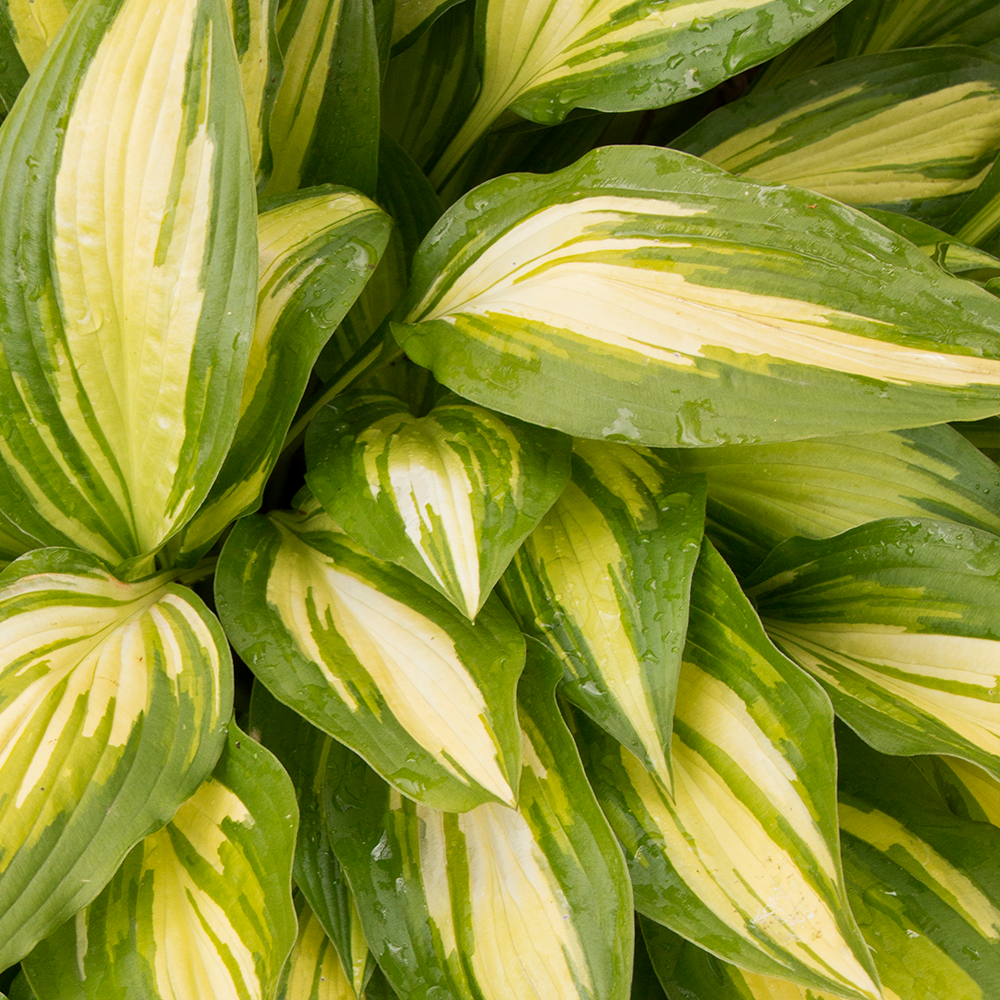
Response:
column 113, row 699
column 645, row 296
column 200, row 909
column 494, row 903
column 127, row 275
column 449, row 496
column 900, row 622
column 604, row 581
column 373, row 656
column 743, row 857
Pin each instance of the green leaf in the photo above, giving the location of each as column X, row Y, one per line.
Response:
column 643, row 295
column 743, row 857
column 977, row 219
column 202, row 908
column 314, row 970
column 376, row 658
column 984, row 434
column 33, row 25
column 541, row 60
column 413, row 17
column 317, row 248
column 114, row 697
column 449, row 496
column 759, row 495
column 970, row 792
column 324, row 126
column 496, row 902
column 127, row 270
column 912, row 131
column 604, row 581
column 900, row 622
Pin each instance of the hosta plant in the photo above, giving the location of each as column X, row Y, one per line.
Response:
column 499, row 500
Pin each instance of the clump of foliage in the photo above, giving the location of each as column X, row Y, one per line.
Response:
column 581, row 422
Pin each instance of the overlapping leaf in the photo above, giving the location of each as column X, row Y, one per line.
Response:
column 375, row 657
column 645, row 296
column 411, row 17
column 314, row 970
column 317, row 248
column 449, row 496
column 900, row 622
column 493, row 903
column 743, row 857
column 759, row 495
column 914, row 131
column 604, row 581
column 114, row 697
column 127, row 272
column 201, row 908
column 970, row 792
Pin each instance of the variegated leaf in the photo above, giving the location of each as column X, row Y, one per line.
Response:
column 913, row 131
column 411, row 17
column 450, row 496
column 317, row 248
column 604, row 581
column 314, row 970
column 542, row 59
column 324, row 126
column 373, row 656
column 200, row 909
column 646, row 296
column 113, row 699
column 970, row 791
column 977, row 219
column 984, row 434
column 127, row 270
column 33, row 24
column 759, row 495
column 304, row 751
column 743, row 857
column 493, row 903
column 900, row 621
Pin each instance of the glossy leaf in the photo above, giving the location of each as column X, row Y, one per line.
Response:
column 450, row 496
column 604, row 581
column 540, row 60
column 496, row 902
column 645, row 296
column 759, row 495
column 317, row 249
column 900, row 622
column 376, row 658
column 127, row 269
column 202, row 908
column 914, row 131
column 743, row 857
column 113, row 699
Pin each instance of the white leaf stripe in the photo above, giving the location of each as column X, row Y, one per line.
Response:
column 314, row 970
column 102, row 684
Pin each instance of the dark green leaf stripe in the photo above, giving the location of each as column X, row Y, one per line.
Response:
column 414, row 16
column 314, row 970
column 743, row 857
column 112, row 710
column 604, row 582
column 759, row 495
column 202, row 908
column 970, row 791
column 915, row 131
column 317, row 248
column 541, row 58
column 449, row 496
column 977, row 219
column 643, row 295
column 375, row 657
column 900, row 621
column 493, row 903
column 127, row 274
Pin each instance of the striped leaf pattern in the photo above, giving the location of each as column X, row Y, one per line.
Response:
column 202, row 908
column 127, row 271
column 317, row 248
column 314, row 970
column 449, row 496
column 900, row 622
column 33, row 24
column 914, row 131
column 766, row 313
column 541, row 59
column 411, row 17
column 759, row 495
column 373, row 656
column 111, row 713
column 977, row 219
column 743, row 857
column 324, row 125
column 970, row 791
column 493, row 903
column 604, row 581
